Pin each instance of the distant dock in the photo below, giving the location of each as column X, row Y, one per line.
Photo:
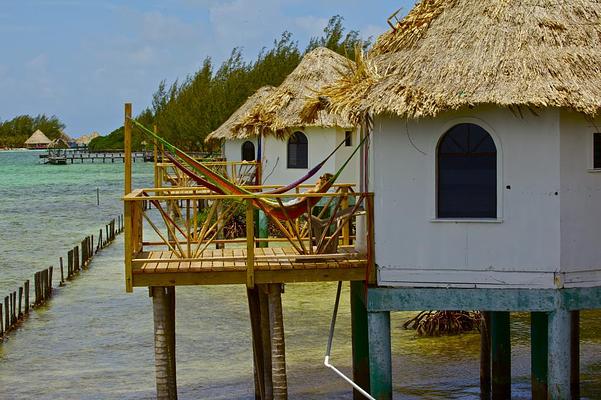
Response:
column 71, row 156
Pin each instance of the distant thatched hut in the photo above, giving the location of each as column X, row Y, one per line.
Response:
column 37, row 141
column 271, row 121
column 485, row 158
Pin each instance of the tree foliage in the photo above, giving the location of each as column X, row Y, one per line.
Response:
column 186, row 111
column 15, row 132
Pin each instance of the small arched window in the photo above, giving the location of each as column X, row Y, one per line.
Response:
column 298, row 151
column 248, row 151
column 467, row 173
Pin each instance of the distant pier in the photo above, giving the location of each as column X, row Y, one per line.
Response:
column 72, row 156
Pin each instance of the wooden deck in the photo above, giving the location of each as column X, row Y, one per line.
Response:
column 228, row 266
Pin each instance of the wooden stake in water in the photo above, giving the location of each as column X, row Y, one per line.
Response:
column 97, row 196
column 26, row 296
column 62, row 282
column 20, row 314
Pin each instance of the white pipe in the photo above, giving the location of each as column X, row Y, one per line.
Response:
column 326, row 361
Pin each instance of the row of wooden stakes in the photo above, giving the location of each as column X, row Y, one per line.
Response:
column 16, row 309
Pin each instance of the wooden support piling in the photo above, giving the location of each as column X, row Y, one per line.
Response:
column 165, row 376
column 1, row 322
column 278, row 343
column 69, row 264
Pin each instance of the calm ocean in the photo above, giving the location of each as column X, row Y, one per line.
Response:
column 94, row 341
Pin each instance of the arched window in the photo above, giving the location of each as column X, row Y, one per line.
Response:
column 298, row 151
column 248, row 151
column 467, row 173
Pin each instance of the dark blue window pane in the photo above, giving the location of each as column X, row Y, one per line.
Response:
column 467, row 173
column 248, row 151
column 597, row 151
column 298, row 151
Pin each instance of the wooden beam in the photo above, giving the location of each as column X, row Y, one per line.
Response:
column 239, row 277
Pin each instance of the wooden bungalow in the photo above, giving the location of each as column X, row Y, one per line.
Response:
column 485, row 160
column 269, row 126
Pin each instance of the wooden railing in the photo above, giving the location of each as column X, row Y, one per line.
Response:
column 326, row 230
column 241, row 173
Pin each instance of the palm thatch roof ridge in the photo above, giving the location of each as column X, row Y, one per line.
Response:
column 281, row 111
column 450, row 54
column 226, row 130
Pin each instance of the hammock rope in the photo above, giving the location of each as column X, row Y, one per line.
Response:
column 222, row 185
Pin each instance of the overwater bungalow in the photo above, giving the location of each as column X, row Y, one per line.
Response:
column 37, row 141
column 485, row 161
column 269, row 127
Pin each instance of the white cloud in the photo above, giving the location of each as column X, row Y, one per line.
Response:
column 311, row 25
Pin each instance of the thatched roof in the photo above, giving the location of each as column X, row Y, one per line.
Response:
column 280, row 112
column 38, row 137
column 226, row 130
column 86, row 139
column 450, row 54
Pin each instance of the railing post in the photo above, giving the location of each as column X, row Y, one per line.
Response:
column 250, row 244
column 127, row 147
column 344, row 204
column 128, row 246
column 371, row 263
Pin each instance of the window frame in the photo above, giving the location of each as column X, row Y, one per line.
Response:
column 304, row 164
column 443, row 129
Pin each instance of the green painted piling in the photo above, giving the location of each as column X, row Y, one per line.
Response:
column 501, row 355
column 359, row 338
column 380, row 358
column 575, row 355
column 485, row 360
column 539, row 350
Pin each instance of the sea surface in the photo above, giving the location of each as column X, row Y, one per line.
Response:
column 94, row 341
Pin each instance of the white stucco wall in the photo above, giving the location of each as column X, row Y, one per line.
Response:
column 580, row 203
column 519, row 249
column 321, row 142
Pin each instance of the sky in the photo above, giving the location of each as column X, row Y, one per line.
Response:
column 82, row 59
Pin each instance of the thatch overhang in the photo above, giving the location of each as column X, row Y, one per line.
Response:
column 280, row 113
column 227, row 131
column 451, row 54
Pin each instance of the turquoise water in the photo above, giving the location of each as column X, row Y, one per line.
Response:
column 94, row 341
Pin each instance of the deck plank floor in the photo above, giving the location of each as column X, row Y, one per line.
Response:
column 228, row 266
